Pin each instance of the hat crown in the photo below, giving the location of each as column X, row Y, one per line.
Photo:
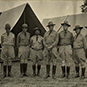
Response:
column 65, row 22
column 24, row 25
column 7, row 26
column 36, row 28
column 77, row 26
column 50, row 23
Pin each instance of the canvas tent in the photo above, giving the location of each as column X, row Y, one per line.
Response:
column 17, row 16
column 76, row 19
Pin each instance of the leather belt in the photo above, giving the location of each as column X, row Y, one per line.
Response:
column 23, row 45
column 7, row 45
column 36, row 49
column 65, row 45
column 79, row 48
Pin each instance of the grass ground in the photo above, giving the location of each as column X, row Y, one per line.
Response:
column 17, row 81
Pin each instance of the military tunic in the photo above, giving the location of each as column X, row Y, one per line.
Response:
column 65, row 43
column 50, row 40
column 23, row 52
column 7, row 48
column 79, row 46
column 36, row 54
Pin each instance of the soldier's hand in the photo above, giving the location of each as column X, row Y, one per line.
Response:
column 50, row 47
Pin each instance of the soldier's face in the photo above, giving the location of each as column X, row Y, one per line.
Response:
column 24, row 29
column 51, row 28
column 65, row 27
column 37, row 32
column 78, row 31
column 7, row 30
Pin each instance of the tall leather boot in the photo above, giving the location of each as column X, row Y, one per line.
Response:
column 53, row 71
column 38, row 69
column 47, row 71
column 34, row 70
column 63, row 71
column 21, row 69
column 25, row 69
column 68, row 71
column 83, row 73
column 77, row 71
column 4, row 70
column 9, row 71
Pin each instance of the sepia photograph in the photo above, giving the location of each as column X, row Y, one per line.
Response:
column 43, row 43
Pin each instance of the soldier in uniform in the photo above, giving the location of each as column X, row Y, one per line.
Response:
column 23, row 45
column 50, row 49
column 7, row 43
column 65, row 48
column 36, row 54
column 79, row 50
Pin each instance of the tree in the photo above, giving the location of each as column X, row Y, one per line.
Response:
column 84, row 7
column 85, row 2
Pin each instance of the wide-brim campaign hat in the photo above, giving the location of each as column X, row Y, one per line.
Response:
column 24, row 25
column 77, row 27
column 50, row 24
column 66, row 23
column 36, row 28
column 7, row 26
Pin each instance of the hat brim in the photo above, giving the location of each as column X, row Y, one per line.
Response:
column 65, row 24
column 24, row 27
column 37, row 29
column 78, row 28
column 51, row 25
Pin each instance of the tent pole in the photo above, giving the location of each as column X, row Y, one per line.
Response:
column 24, row 17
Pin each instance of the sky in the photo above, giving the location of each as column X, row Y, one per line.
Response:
column 45, row 8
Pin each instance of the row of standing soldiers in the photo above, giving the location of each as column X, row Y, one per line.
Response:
column 48, row 48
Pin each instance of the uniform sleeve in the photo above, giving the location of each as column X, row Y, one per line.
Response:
column 56, row 41
column 72, row 40
column 18, row 40
column 14, row 39
column 31, row 41
column 85, row 43
column 29, row 38
column 29, row 35
column 1, row 40
column 44, row 43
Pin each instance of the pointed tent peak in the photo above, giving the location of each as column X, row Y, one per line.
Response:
column 15, row 17
column 27, row 3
